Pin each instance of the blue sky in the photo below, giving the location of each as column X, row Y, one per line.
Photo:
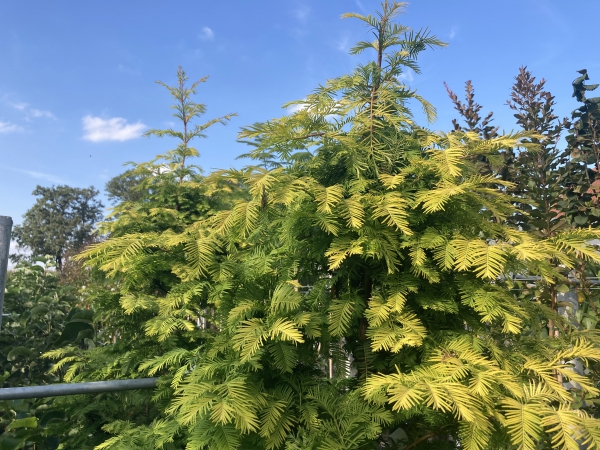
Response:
column 77, row 78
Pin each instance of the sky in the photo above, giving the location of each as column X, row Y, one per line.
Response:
column 77, row 79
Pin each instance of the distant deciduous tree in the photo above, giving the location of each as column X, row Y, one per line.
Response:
column 61, row 219
column 126, row 187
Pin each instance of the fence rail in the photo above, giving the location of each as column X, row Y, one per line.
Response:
column 92, row 387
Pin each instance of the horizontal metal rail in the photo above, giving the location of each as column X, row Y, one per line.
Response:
column 92, row 387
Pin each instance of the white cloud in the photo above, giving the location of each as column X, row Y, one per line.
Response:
column 207, row 34
column 295, row 108
column 15, row 249
column 453, row 32
column 300, row 107
column 7, row 127
column 97, row 129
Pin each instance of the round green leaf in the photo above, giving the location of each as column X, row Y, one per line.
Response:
column 19, row 351
column 39, row 310
column 28, row 422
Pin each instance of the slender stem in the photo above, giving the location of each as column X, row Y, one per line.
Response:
column 308, row 136
column 418, row 441
column 185, row 122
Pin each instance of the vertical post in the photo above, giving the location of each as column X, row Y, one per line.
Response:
column 5, row 229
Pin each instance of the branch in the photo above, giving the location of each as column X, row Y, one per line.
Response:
column 418, row 441
column 308, row 136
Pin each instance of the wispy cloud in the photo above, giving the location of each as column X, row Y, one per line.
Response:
column 19, row 105
column 31, row 113
column 300, row 107
column 7, row 127
column 43, row 176
column 407, row 75
column 207, row 34
column 360, row 6
column 550, row 11
column 301, row 13
column 97, row 129
column 453, row 32
column 123, row 68
column 37, row 175
column 343, row 44
column 40, row 113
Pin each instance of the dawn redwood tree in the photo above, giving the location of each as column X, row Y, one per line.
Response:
column 357, row 296
column 167, row 192
column 159, row 197
column 62, row 219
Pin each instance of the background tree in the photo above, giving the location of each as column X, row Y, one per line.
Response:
column 126, row 187
column 469, row 111
column 61, row 219
column 582, row 202
column 473, row 122
column 536, row 173
column 539, row 187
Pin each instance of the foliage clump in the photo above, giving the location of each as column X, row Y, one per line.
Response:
column 41, row 314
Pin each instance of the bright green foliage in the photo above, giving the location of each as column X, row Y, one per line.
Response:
column 166, row 193
column 356, row 294
column 186, row 110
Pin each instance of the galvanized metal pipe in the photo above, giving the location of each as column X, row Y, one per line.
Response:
column 5, row 229
column 92, row 387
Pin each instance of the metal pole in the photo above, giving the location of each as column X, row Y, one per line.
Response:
column 92, row 387
column 5, row 229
